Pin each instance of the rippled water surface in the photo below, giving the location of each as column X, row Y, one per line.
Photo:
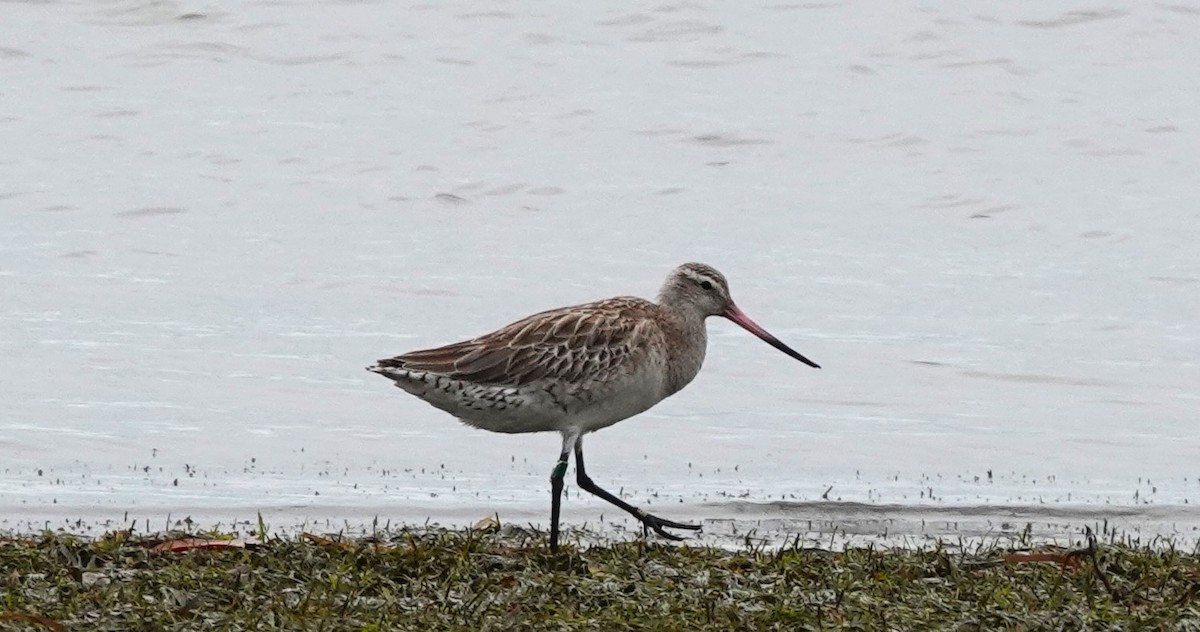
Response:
column 981, row 221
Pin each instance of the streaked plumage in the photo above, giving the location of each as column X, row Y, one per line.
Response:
column 566, row 362
column 577, row 369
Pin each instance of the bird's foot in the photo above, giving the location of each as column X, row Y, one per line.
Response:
column 651, row 521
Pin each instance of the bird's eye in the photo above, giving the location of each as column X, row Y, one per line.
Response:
column 706, row 285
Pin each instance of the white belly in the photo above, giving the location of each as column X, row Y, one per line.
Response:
column 605, row 411
column 538, row 407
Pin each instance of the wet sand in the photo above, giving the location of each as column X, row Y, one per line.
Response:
column 822, row 524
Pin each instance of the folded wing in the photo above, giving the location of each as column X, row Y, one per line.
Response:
column 572, row 345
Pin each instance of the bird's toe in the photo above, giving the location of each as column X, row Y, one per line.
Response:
column 660, row 526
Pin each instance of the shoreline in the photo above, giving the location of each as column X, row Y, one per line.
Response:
column 830, row 524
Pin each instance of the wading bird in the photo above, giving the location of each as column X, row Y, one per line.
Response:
column 578, row 369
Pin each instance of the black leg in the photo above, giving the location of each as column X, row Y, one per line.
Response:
column 556, row 485
column 649, row 521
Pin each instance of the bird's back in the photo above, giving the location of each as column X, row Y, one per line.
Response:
column 588, row 365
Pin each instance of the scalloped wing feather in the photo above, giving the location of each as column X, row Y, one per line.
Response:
column 571, row 345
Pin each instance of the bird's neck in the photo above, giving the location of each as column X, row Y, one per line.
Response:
column 687, row 347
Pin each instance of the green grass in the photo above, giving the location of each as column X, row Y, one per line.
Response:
column 431, row 579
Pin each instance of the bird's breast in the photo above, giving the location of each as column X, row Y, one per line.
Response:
column 684, row 357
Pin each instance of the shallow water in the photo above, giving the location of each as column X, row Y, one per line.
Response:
column 981, row 222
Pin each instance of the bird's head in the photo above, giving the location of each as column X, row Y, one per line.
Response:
column 697, row 287
column 700, row 289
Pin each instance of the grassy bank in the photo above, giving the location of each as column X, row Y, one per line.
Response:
column 433, row 579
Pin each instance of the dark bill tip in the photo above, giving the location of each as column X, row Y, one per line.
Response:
column 739, row 317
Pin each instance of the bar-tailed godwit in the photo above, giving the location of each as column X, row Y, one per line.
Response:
column 578, row 369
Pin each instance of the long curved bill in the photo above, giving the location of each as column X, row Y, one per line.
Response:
column 740, row 317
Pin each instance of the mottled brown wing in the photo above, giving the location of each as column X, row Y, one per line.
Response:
column 572, row 344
